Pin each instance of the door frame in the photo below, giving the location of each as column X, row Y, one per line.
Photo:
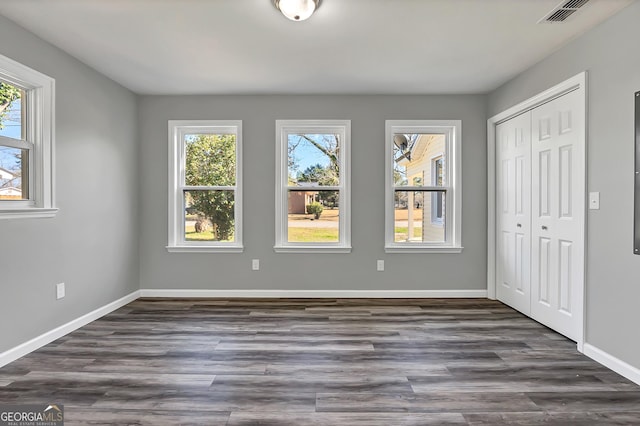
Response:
column 576, row 83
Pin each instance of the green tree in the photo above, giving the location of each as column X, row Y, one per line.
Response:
column 317, row 173
column 211, row 161
column 8, row 94
column 324, row 176
column 315, row 209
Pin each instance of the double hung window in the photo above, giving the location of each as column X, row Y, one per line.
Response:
column 312, row 196
column 423, row 196
column 26, row 141
column 205, row 201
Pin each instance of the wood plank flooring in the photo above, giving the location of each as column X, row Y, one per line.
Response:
column 315, row 362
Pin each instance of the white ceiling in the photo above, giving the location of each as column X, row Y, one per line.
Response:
column 348, row 46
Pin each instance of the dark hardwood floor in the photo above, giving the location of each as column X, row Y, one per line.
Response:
column 320, row 362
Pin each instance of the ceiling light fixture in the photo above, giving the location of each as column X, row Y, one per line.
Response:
column 297, row 10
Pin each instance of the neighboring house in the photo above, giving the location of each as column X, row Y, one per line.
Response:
column 10, row 193
column 424, row 166
column 8, row 182
column 299, row 200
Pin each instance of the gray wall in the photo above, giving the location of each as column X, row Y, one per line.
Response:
column 610, row 55
column 162, row 270
column 92, row 244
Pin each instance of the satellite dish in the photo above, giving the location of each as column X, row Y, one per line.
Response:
column 401, row 142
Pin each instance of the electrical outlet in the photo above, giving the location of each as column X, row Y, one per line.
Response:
column 59, row 291
column 255, row 264
column 380, row 265
column 594, row 200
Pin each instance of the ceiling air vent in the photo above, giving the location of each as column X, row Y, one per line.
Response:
column 574, row 4
column 563, row 11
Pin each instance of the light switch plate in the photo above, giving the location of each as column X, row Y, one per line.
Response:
column 380, row 265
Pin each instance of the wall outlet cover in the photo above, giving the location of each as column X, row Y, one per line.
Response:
column 60, row 291
column 594, row 200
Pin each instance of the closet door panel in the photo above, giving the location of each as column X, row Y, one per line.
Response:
column 513, row 151
column 557, row 223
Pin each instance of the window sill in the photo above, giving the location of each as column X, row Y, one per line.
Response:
column 205, row 249
column 28, row 213
column 312, row 249
column 422, row 249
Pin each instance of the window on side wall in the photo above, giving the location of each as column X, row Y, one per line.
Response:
column 423, row 194
column 205, row 198
column 26, row 142
column 313, row 177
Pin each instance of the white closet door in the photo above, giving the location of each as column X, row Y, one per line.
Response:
column 557, row 228
column 513, row 212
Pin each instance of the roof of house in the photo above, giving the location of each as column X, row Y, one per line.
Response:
column 10, row 189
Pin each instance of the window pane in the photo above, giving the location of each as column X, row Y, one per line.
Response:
column 11, row 115
column 14, row 173
column 313, row 159
column 209, row 216
column 418, row 159
column 210, row 160
column 414, row 219
column 314, row 217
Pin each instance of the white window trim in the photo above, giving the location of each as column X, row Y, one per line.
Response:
column 177, row 130
column 283, row 128
column 40, row 113
column 452, row 129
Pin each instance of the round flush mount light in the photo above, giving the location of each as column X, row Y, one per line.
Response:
column 297, row 10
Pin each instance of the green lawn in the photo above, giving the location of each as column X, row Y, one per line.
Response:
column 403, row 232
column 192, row 235
column 313, row 235
column 296, row 235
column 301, row 235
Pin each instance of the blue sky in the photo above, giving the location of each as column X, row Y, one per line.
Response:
column 306, row 154
column 11, row 129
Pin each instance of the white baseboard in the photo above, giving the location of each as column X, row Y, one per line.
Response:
column 48, row 337
column 332, row 294
column 629, row 371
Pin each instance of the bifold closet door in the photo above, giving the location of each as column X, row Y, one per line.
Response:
column 557, row 225
column 513, row 212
